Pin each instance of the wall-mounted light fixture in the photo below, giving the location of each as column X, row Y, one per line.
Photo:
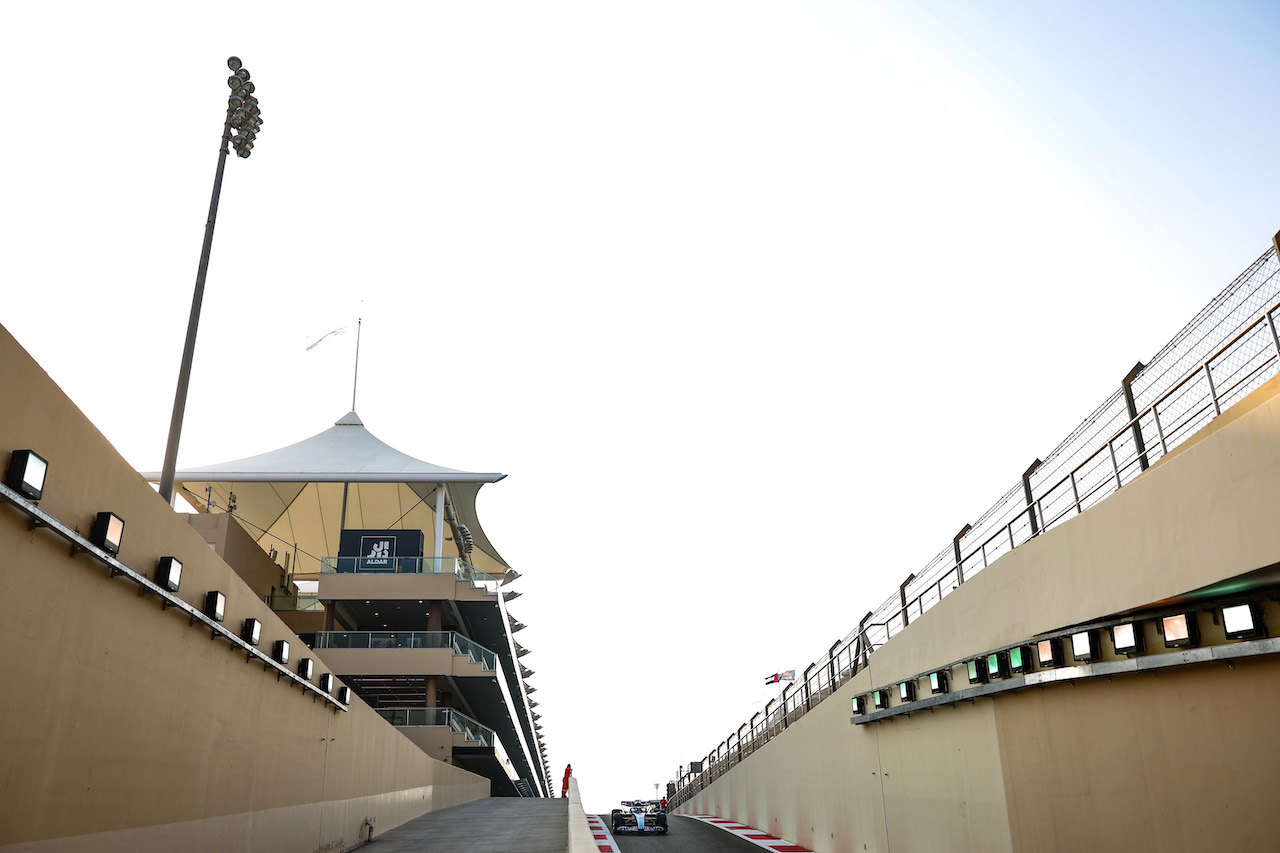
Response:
column 907, row 691
column 1049, row 653
column 998, row 665
column 215, row 605
column 1180, row 630
column 880, row 699
column 280, row 651
column 169, row 573
column 344, row 695
column 326, row 682
column 306, row 667
column 938, row 681
column 251, row 631
column 859, row 705
column 1243, row 622
column 26, row 474
column 1084, row 645
column 1126, row 638
column 1019, row 660
column 977, row 671
column 108, row 530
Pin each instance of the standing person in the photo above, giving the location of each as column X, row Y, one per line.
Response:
column 664, row 804
column 568, row 771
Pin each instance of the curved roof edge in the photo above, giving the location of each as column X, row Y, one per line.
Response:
column 228, row 476
column 344, row 453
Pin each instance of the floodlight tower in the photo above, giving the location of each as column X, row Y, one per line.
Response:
column 239, row 130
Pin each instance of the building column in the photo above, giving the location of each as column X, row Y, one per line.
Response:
column 438, row 552
column 435, row 619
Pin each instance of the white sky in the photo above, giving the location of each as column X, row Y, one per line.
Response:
column 757, row 304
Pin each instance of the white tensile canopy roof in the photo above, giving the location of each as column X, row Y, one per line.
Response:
column 294, row 496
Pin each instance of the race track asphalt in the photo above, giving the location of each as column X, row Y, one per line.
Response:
column 685, row 836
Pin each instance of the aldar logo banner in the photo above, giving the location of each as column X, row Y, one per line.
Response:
column 377, row 552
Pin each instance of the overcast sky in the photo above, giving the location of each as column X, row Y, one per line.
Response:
column 755, row 303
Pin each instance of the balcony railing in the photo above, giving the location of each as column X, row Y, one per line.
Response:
column 410, row 566
column 294, row 602
column 459, row 723
column 460, row 645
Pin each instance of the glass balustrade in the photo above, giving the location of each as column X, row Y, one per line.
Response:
column 457, row 722
column 460, row 645
column 409, row 566
column 294, row 602
column 475, row 652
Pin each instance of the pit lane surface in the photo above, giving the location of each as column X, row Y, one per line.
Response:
column 684, row 836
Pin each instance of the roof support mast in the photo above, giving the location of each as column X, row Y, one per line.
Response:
column 355, row 379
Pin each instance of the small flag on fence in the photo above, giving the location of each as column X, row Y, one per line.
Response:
column 789, row 675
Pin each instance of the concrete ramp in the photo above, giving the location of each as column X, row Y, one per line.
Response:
column 495, row 825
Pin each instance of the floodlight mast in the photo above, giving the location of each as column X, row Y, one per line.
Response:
column 239, row 129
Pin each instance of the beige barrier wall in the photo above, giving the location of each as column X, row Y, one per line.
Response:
column 122, row 727
column 580, row 837
column 1185, row 759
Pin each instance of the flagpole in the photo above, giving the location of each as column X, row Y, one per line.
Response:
column 356, row 378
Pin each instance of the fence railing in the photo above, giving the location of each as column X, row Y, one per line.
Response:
column 456, row 721
column 1230, row 348
column 294, row 602
column 408, row 566
column 460, row 645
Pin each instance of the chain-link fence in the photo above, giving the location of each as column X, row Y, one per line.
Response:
column 1227, row 350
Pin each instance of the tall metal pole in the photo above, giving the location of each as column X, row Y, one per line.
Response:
column 193, row 322
column 245, row 117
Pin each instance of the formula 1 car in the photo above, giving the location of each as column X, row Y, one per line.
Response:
column 640, row 816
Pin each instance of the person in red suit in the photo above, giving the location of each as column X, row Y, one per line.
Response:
column 568, row 771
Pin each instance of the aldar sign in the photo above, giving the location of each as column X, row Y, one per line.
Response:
column 377, row 551
column 381, row 550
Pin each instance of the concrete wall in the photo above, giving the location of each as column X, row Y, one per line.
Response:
column 238, row 550
column 1183, row 759
column 355, row 662
column 122, row 727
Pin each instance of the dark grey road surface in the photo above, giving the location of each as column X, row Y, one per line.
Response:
column 495, row 825
column 685, row 836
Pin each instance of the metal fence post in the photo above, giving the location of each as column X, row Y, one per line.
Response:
column 1213, row 393
column 902, row 595
column 864, row 643
column 1155, row 413
column 955, row 545
column 1126, row 385
column 1031, row 504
